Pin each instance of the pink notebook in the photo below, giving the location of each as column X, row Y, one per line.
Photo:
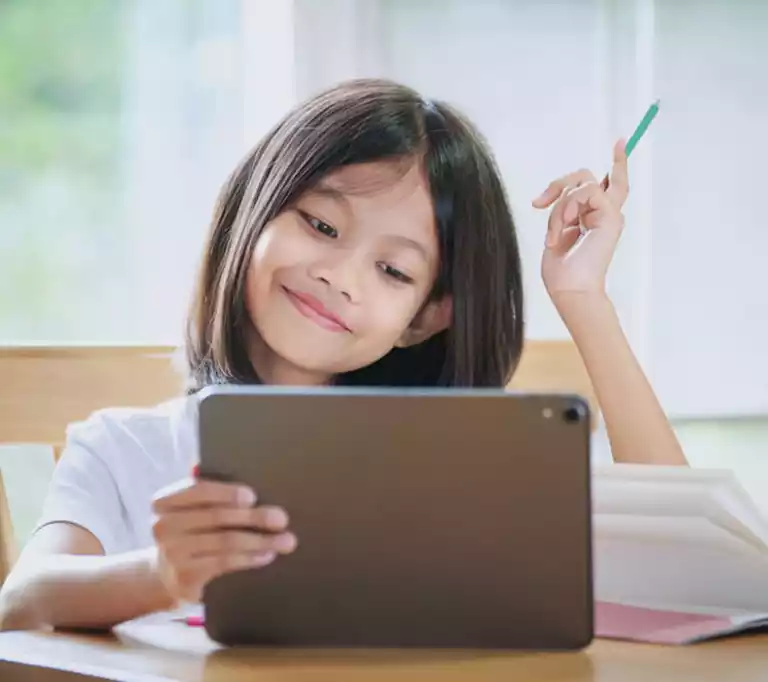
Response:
column 616, row 621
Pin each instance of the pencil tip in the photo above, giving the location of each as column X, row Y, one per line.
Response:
column 657, row 102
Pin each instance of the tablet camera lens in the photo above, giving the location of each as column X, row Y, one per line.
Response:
column 573, row 414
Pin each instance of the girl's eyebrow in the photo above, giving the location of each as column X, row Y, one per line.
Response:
column 411, row 244
column 323, row 189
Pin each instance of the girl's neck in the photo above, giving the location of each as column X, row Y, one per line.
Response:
column 272, row 369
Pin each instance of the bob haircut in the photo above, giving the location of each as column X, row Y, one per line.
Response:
column 363, row 121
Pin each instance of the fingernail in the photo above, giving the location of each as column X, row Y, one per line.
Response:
column 277, row 519
column 196, row 471
column 263, row 558
column 285, row 542
column 246, row 496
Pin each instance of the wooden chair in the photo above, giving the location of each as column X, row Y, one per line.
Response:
column 43, row 389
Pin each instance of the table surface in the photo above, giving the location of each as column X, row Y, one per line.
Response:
column 159, row 649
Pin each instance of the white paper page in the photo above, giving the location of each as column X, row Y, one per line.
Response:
column 678, row 491
column 678, row 564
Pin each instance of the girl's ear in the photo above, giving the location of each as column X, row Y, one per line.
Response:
column 432, row 319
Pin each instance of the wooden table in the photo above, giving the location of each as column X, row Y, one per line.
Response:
column 157, row 649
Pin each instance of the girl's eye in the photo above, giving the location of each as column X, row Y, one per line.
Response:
column 394, row 273
column 321, row 227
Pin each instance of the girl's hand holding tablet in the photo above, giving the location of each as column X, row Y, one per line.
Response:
column 204, row 529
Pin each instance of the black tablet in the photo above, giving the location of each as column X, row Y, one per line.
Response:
column 425, row 518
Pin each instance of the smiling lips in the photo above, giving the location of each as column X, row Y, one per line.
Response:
column 313, row 309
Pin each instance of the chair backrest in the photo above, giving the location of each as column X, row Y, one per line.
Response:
column 45, row 388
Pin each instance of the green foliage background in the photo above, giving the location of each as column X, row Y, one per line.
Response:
column 61, row 65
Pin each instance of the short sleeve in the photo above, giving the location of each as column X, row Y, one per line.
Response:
column 601, row 446
column 83, row 490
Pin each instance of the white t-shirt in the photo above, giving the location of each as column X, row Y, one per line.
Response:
column 112, row 466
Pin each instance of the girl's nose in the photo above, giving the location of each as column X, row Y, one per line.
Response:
column 342, row 274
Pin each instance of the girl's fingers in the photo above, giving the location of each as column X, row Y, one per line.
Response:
column 567, row 211
column 582, row 200
column 196, row 573
column 180, row 551
column 555, row 224
column 238, row 542
column 567, row 240
column 618, row 188
column 191, row 493
column 580, row 206
column 616, row 184
column 195, row 521
column 557, row 187
column 573, row 204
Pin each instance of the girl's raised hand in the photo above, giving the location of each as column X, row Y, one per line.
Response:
column 204, row 529
column 585, row 224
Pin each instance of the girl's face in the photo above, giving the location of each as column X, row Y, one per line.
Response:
column 340, row 278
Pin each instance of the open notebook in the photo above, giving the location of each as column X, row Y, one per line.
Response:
column 680, row 554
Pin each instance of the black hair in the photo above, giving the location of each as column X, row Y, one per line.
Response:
column 362, row 121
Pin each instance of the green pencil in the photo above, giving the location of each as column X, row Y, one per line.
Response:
column 639, row 132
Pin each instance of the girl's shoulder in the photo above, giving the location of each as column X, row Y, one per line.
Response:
column 163, row 435
column 114, row 462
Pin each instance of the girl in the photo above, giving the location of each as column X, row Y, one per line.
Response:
column 365, row 240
